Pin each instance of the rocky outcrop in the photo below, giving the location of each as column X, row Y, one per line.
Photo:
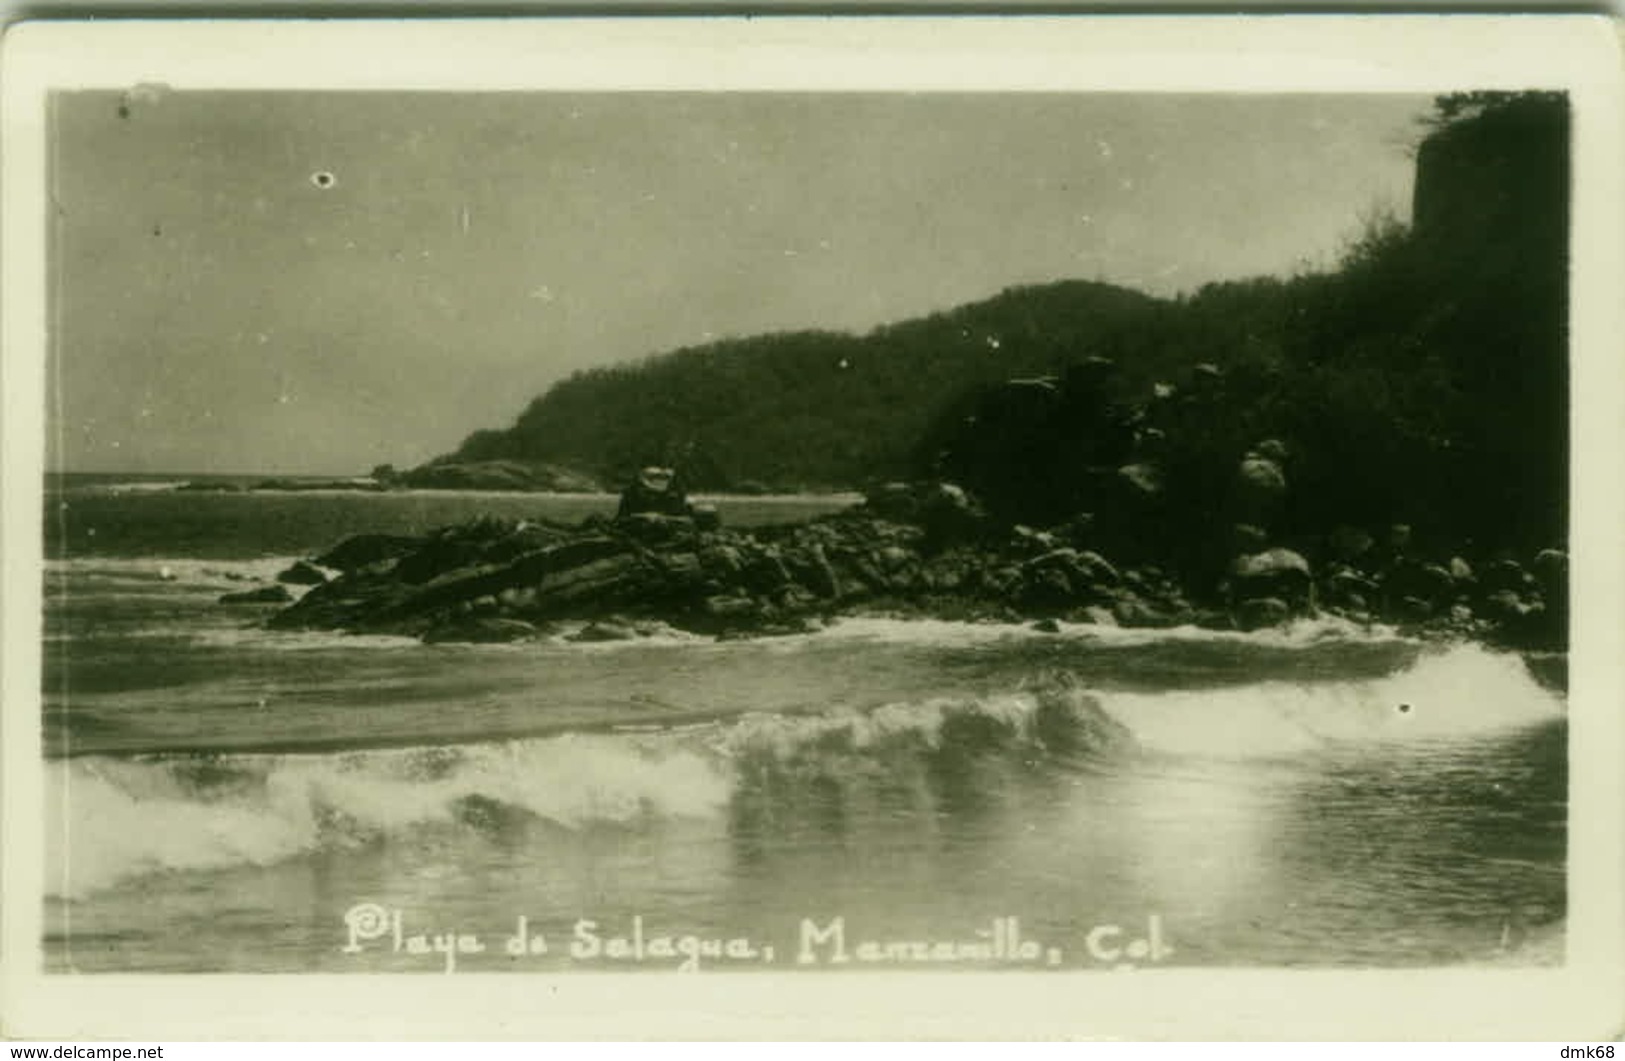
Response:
column 497, row 475
column 924, row 549
column 363, row 549
column 943, row 559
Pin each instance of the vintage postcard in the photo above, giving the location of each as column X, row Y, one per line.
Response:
column 914, row 528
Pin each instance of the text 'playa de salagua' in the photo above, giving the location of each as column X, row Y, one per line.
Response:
column 827, row 942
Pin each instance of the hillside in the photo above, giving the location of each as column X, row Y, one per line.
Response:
column 817, row 409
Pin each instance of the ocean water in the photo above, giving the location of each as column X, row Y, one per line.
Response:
column 883, row 794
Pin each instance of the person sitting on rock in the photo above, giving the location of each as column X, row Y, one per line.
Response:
column 654, row 489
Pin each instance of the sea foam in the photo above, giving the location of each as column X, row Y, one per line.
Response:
column 111, row 819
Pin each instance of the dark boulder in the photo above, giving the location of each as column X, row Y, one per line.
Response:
column 653, row 490
column 943, row 510
column 1278, row 574
column 1255, row 613
column 363, row 550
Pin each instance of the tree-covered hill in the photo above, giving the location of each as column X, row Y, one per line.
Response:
column 1422, row 381
column 817, row 409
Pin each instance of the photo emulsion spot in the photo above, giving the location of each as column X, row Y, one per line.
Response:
column 805, row 533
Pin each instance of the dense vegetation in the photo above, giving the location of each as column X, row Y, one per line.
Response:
column 814, row 409
column 1424, row 381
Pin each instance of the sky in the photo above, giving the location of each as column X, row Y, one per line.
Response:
column 290, row 282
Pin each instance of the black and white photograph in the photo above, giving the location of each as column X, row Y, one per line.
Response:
column 805, row 531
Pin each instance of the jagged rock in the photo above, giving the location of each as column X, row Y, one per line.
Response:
column 1047, row 626
column 1461, row 572
column 363, row 550
column 302, row 573
column 483, row 541
column 264, row 595
column 483, row 629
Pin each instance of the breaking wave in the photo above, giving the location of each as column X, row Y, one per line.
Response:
column 120, row 818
